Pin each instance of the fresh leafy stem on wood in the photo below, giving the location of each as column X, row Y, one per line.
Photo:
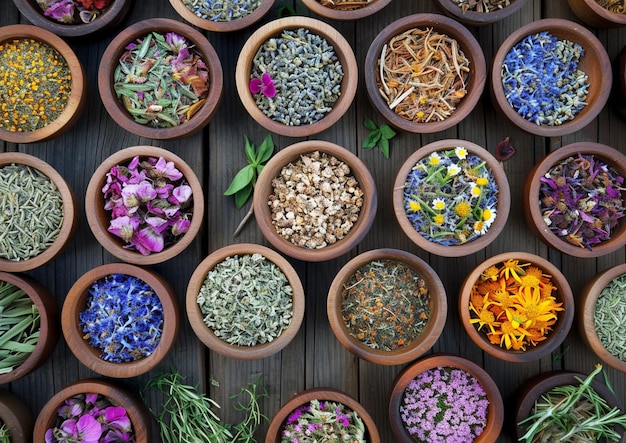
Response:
column 188, row 416
column 244, row 181
column 378, row 136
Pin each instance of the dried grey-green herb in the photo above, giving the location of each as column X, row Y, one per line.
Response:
column 31, row 212
column 609, row 317
column 246, row 300
column 316, row 201
column 222, row 10
column 307, row 75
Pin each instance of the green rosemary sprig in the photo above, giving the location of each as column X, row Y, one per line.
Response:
column 574, row 413
column 379, row 136
column 188, row 416
column 4, row 433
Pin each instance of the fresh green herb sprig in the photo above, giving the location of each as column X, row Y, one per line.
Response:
column 574, row 414
column 244, row 181
column 19, row 327
column 379, row 136
column 188, row 416
column 4, row 433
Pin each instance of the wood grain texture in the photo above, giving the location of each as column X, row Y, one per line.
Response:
column 314, row 358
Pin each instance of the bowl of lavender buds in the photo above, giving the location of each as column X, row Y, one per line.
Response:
column 221, row 16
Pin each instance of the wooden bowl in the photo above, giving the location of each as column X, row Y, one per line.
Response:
column 110, row 18
column 502, row 210
column 17, row 417
column 223, row 26
column 75, row 303
column 495, row 411
column 70, row 214
column 595, row 63
column 342, row 50
column 403, row 354
column 586, row 315
column 590, row 12
column 467, row 43
column 136, row 410
column 78, row 96
column 560, row 329
column 99, row 219
column 532, row 210
column 48, row 324
column 533, row 388
column 371, row 8
column 110, row 60
column 304, row 397
column 474, row 18
column 206, row 334
column 264, row 190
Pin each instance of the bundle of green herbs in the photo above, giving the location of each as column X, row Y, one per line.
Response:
column 574, row 414
column 188, row 416
column 4, row 433
column 19, row 327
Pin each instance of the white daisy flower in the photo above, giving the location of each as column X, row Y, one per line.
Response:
column 439, row 204
column 460, row 152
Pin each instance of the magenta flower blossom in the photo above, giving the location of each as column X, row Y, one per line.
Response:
column 177, row 42
column 265, row 84
column 150, row 203
column 62, row 11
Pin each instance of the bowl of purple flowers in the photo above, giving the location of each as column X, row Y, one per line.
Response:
column 120, row 320
column 573, row 199
column 445, row 398
column 144, row 204
column 93, row 410
column 551, row 77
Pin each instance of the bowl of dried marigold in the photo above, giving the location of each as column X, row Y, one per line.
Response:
column 42, row 85
column 516, row 306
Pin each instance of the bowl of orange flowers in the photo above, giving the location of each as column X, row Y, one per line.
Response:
column 516, row 306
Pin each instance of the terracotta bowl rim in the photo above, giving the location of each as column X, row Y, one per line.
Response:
column 605, row 14
column 579, row 34
column 89, row 356
column 206, row 335
column 431, row 332
column 480, row 18
column 467, row 42
column 263, row 190
column 78, row 95
column 94, row 205
column 346, row 57
column 70, row 212
column 560, row 330
column 503, row 207
column 140, row 29
column 533, row 213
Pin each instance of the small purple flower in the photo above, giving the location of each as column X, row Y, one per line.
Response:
column 124, row 227
column 167, row 169
column 265, row 84
column 62, row 11
column 176, row 42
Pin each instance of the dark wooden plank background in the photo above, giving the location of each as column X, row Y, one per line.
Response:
column 315, row 358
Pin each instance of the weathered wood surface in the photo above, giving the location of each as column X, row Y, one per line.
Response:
column 315, row 358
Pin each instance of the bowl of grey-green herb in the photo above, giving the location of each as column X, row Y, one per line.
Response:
column 160, row 79
column 245, row 301
column 219, row 16
column 551, row 77
column 38, row 216
column 296, row 76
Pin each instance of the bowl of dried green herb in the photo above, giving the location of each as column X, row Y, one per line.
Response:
column 600, row 13
column 219, row 16
column 245, row 301
column 574, row 199
column 16, row 420
column 345, row 9
column 387, row 306
column 144, row 204
column 480, row 12
column 74, row 18
column 446, row 78
column 551, row 77
column 43, row 88
column 315, row 200
column 39, row 213
column 120, row 320
column 451, row 197
column 599, row 317
column 29, row 326
column 161, row 79
column 296, row 76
